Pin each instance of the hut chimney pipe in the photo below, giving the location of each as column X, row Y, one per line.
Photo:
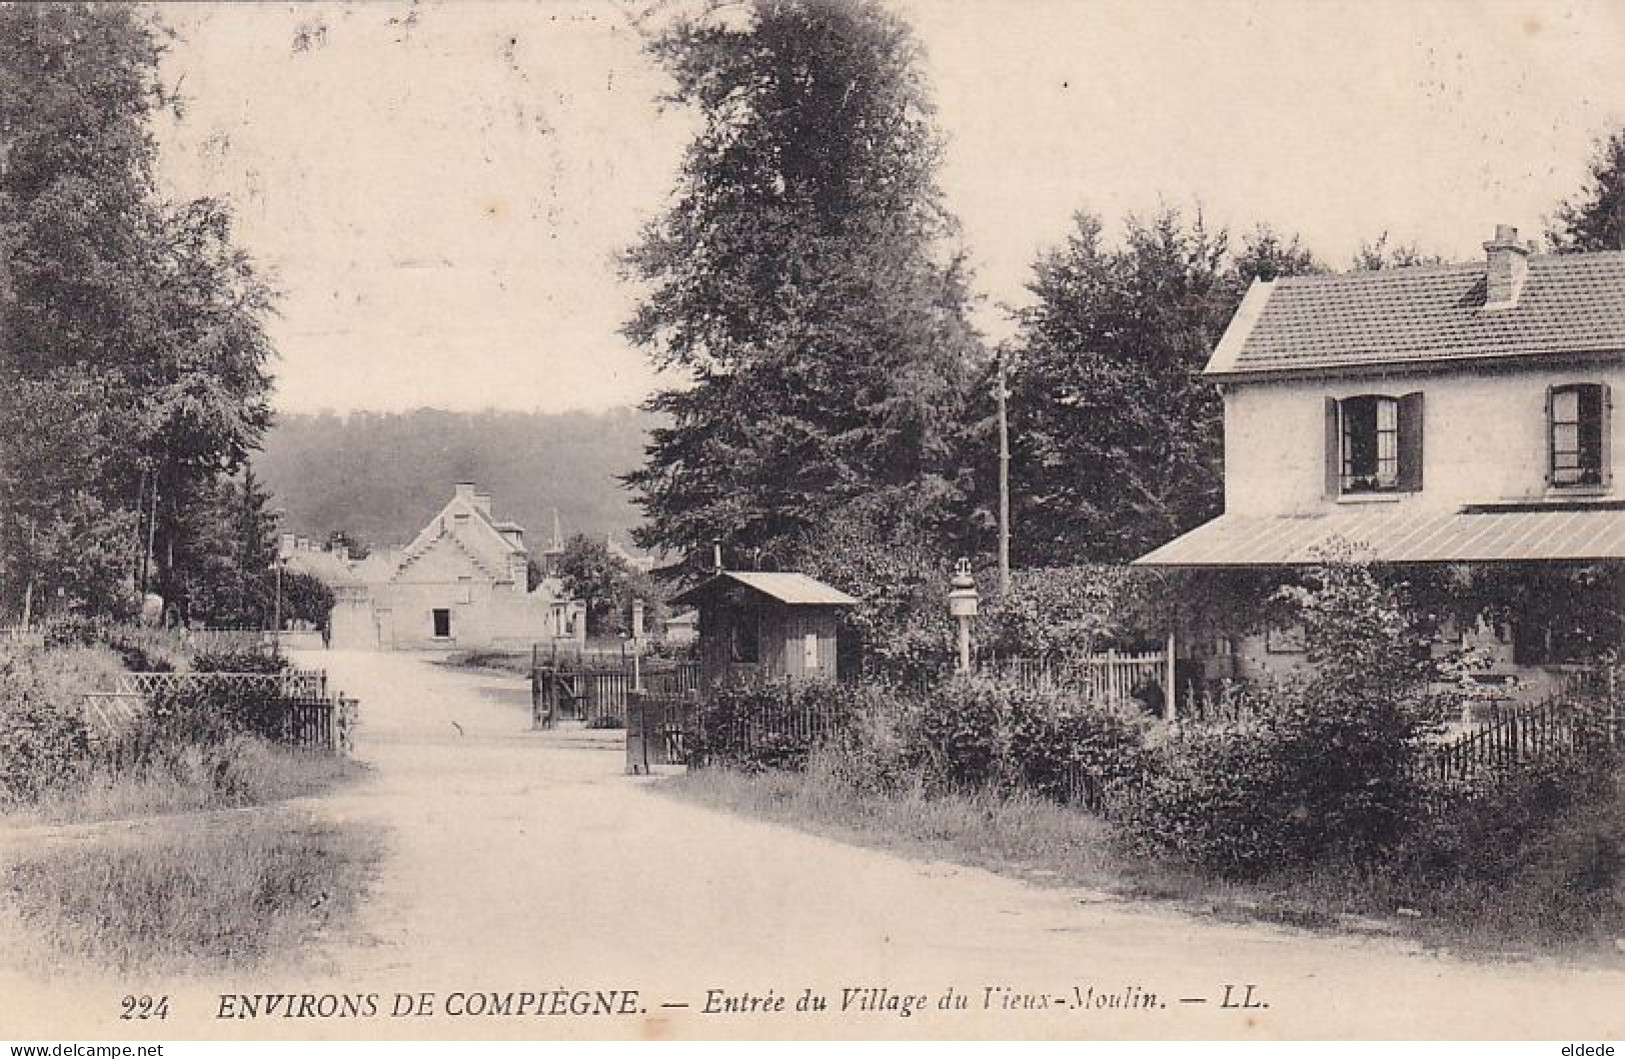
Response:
column 716, row 554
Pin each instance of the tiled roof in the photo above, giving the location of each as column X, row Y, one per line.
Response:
column 795, row 589
column 1572, row 303
column 1386, row 535
column 324, row 566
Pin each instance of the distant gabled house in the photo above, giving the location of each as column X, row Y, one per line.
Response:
column 462, row 582
column 1449, row 414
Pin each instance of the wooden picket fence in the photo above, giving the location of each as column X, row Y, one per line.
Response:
column 1553, row 730
column 599, row 696
column 22, row 635
column 793, row 720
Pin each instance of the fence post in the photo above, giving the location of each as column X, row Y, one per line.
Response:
column 1170, row 705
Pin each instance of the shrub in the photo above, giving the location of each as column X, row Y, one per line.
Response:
column 760, row 724
column 1054, row 613
column 1067, row 749
column 975, row 732
column 957, row 736
column 149, row 650
column 872, row 754
column 239, row 662
column 73, row 630
column 1483, row 831
column 43, row 741
column 1322, row 769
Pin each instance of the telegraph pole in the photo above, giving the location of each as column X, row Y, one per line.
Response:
column 1004, row 480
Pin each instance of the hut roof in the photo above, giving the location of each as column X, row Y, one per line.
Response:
column 796, row 590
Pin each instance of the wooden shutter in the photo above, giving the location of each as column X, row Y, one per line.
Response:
column 1334, row 450
column 1410, row 442
column 1550, row 437
column 1606, row 414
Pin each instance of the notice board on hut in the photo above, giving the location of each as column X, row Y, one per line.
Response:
column 766, row 626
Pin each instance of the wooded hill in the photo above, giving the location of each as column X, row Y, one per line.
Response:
column 380, row 476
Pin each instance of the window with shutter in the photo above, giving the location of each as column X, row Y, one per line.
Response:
column 1374, row 444
column 1577, row 437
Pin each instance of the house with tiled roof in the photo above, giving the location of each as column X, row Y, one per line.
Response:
column 1441, row 414
column 462, row 582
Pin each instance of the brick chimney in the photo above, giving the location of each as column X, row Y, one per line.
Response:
column 1508, row 268
column 482, row 501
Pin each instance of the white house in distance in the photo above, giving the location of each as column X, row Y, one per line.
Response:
column 460, row 583
column 1447, row 414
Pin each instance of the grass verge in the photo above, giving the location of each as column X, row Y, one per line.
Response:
column 192, row 899
column 244, row 771
column 1566, row 896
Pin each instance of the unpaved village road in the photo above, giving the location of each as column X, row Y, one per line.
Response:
column 528, row 862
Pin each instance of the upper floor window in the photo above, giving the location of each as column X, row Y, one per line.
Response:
column 1576, row 417
column 1374, row 444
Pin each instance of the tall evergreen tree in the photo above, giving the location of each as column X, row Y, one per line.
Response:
column 1595, row 219
column 801, row 282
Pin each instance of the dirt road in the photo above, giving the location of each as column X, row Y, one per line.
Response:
column 528, row 865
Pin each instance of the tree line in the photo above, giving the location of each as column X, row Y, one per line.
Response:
column 806, row 284
column 837, row 402
column 133, row 381
column 376, row 478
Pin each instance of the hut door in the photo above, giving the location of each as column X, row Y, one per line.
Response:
column 809, row 652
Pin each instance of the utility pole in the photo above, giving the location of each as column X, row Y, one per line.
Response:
column 1004, row 480
column 28, row 592
column 276, row 622
column 152, row 531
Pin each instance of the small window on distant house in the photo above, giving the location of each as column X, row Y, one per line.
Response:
column 1374, row 444
column 1576, row 415
column 442, row 623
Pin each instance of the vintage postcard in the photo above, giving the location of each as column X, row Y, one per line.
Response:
column 808, row 519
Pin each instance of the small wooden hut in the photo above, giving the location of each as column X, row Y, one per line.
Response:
column 765, row 626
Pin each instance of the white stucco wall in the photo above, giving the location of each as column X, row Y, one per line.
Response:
column 1484, row 436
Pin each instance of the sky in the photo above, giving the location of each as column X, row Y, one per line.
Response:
column 440, row 189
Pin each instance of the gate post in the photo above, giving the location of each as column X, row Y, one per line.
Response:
column 1170, row 704
column 637, row 736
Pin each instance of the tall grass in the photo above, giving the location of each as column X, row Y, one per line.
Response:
column 245, row 771
column 191, row 899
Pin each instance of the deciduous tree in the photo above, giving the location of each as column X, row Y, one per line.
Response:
column 1117, row 437
column 143, row 310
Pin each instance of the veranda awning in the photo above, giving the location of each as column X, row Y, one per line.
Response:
column 1505, row 533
